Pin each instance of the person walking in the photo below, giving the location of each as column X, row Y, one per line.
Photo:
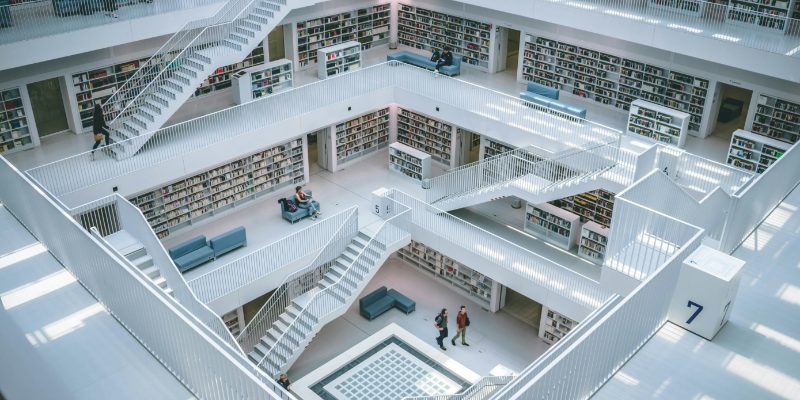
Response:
column 440, row 323
column 284, row 382
column 99, row 127
column 445, row 59
column 462, row 322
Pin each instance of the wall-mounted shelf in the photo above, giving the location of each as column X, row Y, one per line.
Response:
column 555, row 326
column 597, row 206
column 213, row 192
column 15, row 135
column 424, row 29
column 334, row 60
column 360, row 136
column 557, row 226
column 464, row 280
column 657, row 123
column 409, row 162
column 263, row 80
column 426, row 134
column 777, row 119
column 369, row 26
column 593, row 242
column 754, row 152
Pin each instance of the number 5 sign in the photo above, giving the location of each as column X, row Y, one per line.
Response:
column 705, row 292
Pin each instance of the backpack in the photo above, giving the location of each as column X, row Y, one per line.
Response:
column 436, row 56
column 292, row 207
column 439, row 320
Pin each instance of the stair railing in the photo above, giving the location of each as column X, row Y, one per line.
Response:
column 298, row 283
column 480, row 390
column 326, row 301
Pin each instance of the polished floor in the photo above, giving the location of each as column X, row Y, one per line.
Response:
column 83, row 345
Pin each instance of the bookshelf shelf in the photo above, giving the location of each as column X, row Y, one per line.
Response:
column 338, row 59
column 368, row 26
column 215, row 191
column 493, row 147
column 424, row 29
column 597, row 206
column 234, row 320
column 426, row 134
column 15, row 135
column 220, row 79
column 765, row 15
column 657, row 123
column 686, row 7
column 610, row 80
column 408, row 162
column 555, row 326
column 263, row 80
column 777, row 119
column 360, row 136
column 449, row 272
column 553, row 224
column 754, row 152
column 594, row 239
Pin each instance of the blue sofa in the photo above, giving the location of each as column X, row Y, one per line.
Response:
column 196, row 251
column 425, row 62
column 381, row 300
column 64, row 7
column 301, row 212
column 547, row 96
column 228, row 241
column 190, row 254
column 5, row 14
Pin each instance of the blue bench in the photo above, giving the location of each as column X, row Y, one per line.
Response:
column 425, row 62
column 546, row 96
column 196, row 251
column 381, row 300
column 293, row 216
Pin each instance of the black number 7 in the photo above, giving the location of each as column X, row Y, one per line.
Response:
column 696, row 313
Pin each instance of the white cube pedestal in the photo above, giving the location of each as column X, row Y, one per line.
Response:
column 706, row 290
column 381, row 206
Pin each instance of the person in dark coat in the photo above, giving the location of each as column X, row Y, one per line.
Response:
column 99, row 126
column 446, row 59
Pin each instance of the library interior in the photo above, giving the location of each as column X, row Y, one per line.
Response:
column 289, row 199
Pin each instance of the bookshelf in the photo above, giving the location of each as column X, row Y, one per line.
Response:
column 657, row 123
column 426, row 134
column 369, row 26
column 15, row 135
column 464, row 280
column 425, row 29
column 610, row 80
column 476, row 139
column 796, row 10
column 686, row 7
column 263, row 80
column 408, row 162
column 492, row 147
column 215, row 191
column 234, row 320
column 555, row 325
column 338, row 59
column 765, row 15
column 100, row 83
column 360, row 136
column 555, row 225
column 597, row 206
column 754, row 152
column 593, row 242
column 777, row 119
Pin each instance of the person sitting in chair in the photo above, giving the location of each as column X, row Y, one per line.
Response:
column 446, row 59
column 304, row 200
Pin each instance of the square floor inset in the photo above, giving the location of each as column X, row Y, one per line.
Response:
column 391, row 373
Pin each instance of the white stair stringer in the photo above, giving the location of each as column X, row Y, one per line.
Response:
column 136, row 253
column 302, row 333
column 155, row 105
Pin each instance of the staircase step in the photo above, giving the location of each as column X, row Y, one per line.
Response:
column 353, row 249
column 192, row 65
column 200, row 58
column 245, row 31
column 120, row 239
column 343, row 264
column 257, row 20
column 251, row 25
column 167, row 91
column 151, row 271
column 360, row 242
column 186, row 72
column 152, row 107
column 267, row 342
column 281, row 325
column 168, row 291
column 232, row 44
column 366, row 236
column 138, row 121
column 294, row 310
column 143, row 261
column 263, row 12
column 130, row 129
column 159, row 98
column 160, row 281
column 261, row 350
column 145, row 114
column 183, row 78
column 239, row 38
column 337, row 270
column 270, row 5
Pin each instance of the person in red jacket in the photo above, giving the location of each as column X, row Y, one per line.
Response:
column 461, row 322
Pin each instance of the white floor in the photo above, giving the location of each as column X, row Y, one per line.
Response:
column 756, row 355
column 494, row 338
column 94, row 356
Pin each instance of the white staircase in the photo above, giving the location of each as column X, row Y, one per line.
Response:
column 136, row 253
column 171, row 76
column 535, row 178
column 307, row 314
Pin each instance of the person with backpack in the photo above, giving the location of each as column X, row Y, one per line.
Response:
column 304, row 200
column 446, row 58
column 440, row 323
column 99, row 127
column 462, row 322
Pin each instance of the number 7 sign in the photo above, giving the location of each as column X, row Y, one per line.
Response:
column 696, row 313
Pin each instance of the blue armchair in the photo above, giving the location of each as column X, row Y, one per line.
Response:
column 293, row 216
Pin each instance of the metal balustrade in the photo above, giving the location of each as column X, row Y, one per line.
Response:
column 112, row 214
column 36, row 19
column 479, row 390
column 526, row 264
column 299, row 282
column 698, row 173
column 78, row 172
column 270, row 258
column 326, row 301
column 711, row 20
column 164, row 327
